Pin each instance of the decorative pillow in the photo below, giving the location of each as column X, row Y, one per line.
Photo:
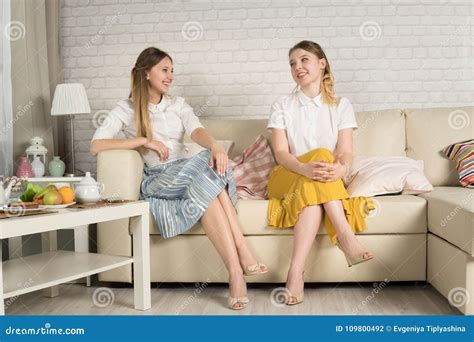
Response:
column 463, row 154
column 380, row 175
column 193, row 148
column 252, row 169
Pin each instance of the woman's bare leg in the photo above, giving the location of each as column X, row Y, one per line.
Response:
column 245, row 255
column 217, row 228
column 345, row 235
column 305, row 232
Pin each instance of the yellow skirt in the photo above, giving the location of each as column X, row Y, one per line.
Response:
column 289, row 193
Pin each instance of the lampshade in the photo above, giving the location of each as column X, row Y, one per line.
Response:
column 70, row 98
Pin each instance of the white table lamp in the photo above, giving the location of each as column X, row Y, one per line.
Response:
column 70, row 99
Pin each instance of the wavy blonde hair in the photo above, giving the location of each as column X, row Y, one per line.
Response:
column 327, row 79
column 140, row 87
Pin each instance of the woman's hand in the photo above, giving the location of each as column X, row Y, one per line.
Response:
column 160, row 148
column 219, row 159
column 324, row 172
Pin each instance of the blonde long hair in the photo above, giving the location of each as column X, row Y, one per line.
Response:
column 139, row 89
column 327, row 79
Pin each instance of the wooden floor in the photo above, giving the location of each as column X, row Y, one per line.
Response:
column 210, row 299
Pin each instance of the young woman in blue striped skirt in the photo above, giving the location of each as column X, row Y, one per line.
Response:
column 181, row 190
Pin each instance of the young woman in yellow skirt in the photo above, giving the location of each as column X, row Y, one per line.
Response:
column 312, row 141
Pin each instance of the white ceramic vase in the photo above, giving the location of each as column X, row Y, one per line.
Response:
column 38, row 167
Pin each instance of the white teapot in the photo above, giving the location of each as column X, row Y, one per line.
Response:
column 5, row 192
column 88, row 190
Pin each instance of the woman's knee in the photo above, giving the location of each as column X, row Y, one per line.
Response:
column 318, row 154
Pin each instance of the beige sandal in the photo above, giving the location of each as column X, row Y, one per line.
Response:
column 356, row 259
column 255, row 269
column 244, row 301
column 294, row 299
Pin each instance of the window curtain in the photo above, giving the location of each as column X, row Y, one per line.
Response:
column 6, row 118
column 35, row 71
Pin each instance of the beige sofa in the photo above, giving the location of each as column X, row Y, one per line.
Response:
column 415, row 238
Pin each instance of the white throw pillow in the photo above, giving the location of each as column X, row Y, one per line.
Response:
column 379, row 175
column 193, row 148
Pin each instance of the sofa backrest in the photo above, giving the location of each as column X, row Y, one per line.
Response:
column 387, row 126
column 416, row 133
column 380, row 133
column 242, row 132
column 429, row 131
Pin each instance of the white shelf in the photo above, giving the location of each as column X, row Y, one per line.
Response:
column 54, row 179
column 48, row 269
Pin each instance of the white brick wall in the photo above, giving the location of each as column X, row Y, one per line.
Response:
column 384, row 54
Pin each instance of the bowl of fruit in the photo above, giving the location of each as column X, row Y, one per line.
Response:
column 50, row 197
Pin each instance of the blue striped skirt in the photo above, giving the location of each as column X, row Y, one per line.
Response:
column 179, row 192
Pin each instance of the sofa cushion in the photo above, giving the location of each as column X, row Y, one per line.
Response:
column 429, row 131
column 393, row 215
column 451, row 215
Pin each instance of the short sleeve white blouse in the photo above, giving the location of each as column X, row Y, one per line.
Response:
column 310, row 123
column 171, row 119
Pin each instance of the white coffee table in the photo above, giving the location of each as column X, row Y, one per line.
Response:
column 52, row 267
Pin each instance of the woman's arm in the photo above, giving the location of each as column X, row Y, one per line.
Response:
column 344, row 149
column 282, row 153
column 219, row 157
column 202, row 137
column 100, row 145
column 312, row 170
column 342, row 158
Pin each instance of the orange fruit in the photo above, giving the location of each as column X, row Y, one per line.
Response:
column 68, row 194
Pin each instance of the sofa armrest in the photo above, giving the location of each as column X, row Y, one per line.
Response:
column 121, row 173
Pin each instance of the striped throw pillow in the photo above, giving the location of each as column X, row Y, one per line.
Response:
column 462, row 153
column 252, row 170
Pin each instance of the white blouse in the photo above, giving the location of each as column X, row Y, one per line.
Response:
column 171, row 119
column 309, row 123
